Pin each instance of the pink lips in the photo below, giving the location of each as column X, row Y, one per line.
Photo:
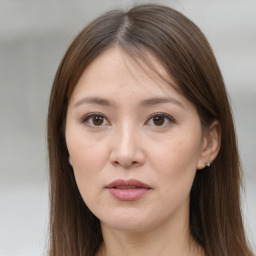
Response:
column 128, row 190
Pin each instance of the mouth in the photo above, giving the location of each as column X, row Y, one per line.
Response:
column 128, row 190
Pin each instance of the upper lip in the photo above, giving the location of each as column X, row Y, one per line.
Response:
column 127, row 183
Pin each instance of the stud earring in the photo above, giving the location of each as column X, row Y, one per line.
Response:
column 208, row 164
column 69, row 161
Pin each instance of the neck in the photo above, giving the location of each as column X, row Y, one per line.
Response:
column 161, row 240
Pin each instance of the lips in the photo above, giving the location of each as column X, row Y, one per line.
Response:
column 128, row 190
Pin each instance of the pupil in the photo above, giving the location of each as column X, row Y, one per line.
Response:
column 158, row 120
column 98, row 120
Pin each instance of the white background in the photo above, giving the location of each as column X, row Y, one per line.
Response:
column 34, row 36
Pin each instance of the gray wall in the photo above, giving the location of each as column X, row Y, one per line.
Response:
column 33, row 38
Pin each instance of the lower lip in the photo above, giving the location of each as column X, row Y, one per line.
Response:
column 128, row 194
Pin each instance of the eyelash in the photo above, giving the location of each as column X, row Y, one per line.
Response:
column 87, row 118
column 167, row 117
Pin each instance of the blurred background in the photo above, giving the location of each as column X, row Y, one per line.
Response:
column 33, row 38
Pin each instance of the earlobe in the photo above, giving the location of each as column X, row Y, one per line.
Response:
column 210, row 146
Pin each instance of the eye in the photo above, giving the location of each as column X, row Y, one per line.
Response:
column 95, row 120
column 160, row 120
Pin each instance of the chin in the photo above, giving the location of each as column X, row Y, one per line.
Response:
column 135, row 222
column 128, row 226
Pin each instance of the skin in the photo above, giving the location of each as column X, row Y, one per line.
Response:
column 131, row 136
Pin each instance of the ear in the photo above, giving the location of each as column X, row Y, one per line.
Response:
column 210, row 145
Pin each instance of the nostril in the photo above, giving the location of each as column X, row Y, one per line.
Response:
column 116, row 163
column 125, row 164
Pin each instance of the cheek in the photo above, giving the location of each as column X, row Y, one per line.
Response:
column 88, row 159
column 87, row 163
column 176, row 164
column 179, row 154
column 86, row 153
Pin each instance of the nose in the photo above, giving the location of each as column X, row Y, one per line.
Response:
column 127, row 148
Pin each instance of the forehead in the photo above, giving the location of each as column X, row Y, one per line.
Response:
column 114, row 70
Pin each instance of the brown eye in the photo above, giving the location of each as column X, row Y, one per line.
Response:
column 98, row 120
column 158, row 120
column 94, row 120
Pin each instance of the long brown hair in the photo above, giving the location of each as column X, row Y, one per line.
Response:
column 215, row 214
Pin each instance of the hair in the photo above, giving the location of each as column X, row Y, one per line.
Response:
column 181, row 48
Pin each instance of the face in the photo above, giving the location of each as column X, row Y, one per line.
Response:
column 135, row 144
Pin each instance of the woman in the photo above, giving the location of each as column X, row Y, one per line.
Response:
column 142, row 148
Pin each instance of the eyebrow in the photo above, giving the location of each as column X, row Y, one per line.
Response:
column 161, row 100
column 95, row 100
column 144, row 103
